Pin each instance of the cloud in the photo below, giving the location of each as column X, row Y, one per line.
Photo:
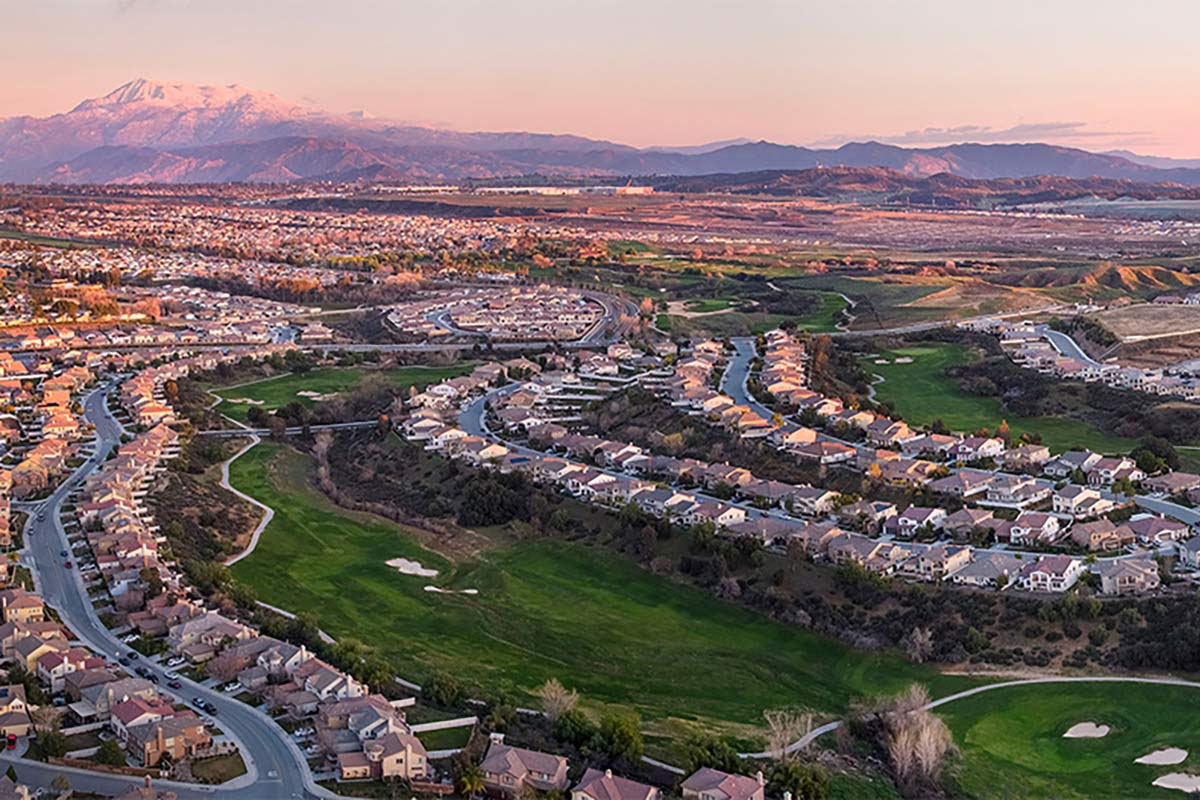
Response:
column 1061, row 132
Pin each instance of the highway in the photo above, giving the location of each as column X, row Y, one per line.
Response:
column 276, row 767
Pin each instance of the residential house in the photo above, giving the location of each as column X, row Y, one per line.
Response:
column 988, row 570
column 707, row 783
column 1051, row 574
column 512, row 773
column 1081, row 502
column 1128, row 576
column 597, row 785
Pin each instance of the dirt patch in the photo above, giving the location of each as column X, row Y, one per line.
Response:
column 1147, row 321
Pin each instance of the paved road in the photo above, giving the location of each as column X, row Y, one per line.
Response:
column 1066, row 345
column 1165, row 507
column 277, row 768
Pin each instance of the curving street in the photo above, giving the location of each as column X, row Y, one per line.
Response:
column 276, row 767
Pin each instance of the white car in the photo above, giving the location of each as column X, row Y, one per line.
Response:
column 172, row 676
column 232, row 687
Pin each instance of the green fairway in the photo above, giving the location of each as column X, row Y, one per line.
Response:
column 826, row 317
column 922, row 392
column 709, row 305
column 822, row 319
column 281, row 390
column 1013, row 747
column 620, row 635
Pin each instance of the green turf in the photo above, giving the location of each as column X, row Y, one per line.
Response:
column 822, row 319
column 618, row 634
column 709, row 304
column 282, row 390
column 1012, row 745
column 922, row 392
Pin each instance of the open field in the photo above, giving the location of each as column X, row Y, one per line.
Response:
column 279, row 391
column 620, row 635
column 1135, row 323
column 922, row 392
column 1013, row 747
column 719, row 319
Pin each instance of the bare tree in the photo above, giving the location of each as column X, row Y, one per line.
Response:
column 785, row 726
column 919, row 644
column 916, row 740
column 557, row 699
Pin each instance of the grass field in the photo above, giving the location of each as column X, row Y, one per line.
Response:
column 273, row 393
column 1012, row 745
column 618, row 634
column 822, row 319
column 922, row 392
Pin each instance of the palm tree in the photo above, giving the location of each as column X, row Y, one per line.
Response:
column 470, row 782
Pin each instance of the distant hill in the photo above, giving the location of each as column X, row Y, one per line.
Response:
column 148, row 131
column 878, row 184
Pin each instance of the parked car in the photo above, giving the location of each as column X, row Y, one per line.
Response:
column 175, row 684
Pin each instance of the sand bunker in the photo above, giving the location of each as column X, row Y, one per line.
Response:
column 311, row 395
column 1087, row 730
column 903, row 360
column 1167, row 755
column 451, row 591
column 247, row 400
column 882, row 361
column 1179, row 780
column 411, row 567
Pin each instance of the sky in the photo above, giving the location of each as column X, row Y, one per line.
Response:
column 1097, row 74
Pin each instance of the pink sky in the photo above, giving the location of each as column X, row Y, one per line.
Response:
column 1099, row 74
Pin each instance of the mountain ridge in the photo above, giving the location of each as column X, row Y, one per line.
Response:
column 154, row 131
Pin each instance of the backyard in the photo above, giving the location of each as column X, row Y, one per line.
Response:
column 545, row 608
column 922, row 392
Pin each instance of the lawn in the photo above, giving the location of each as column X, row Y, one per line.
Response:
column 1012, row 744
column 620, row 635
column 446, row 739
column 273, row 393
column 922, row 392
column 218, row 769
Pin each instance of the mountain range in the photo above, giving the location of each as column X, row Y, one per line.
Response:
column 153, row 132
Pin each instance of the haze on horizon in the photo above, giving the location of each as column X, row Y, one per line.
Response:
column 1096, row 74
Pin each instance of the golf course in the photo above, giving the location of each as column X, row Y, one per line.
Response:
column 1012, row 745
column 307, row 387
column 922, row 392
column 544, row 608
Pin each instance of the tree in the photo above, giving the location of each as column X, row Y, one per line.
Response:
column 61, row 783
column 470, row 782
column 785, row 726
column 709, row 751
column 621, row 737
column 110, row 753
column 805, row 781
column 52, row 743
column 574, row 728
column 557, row 699
column 919, row 644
